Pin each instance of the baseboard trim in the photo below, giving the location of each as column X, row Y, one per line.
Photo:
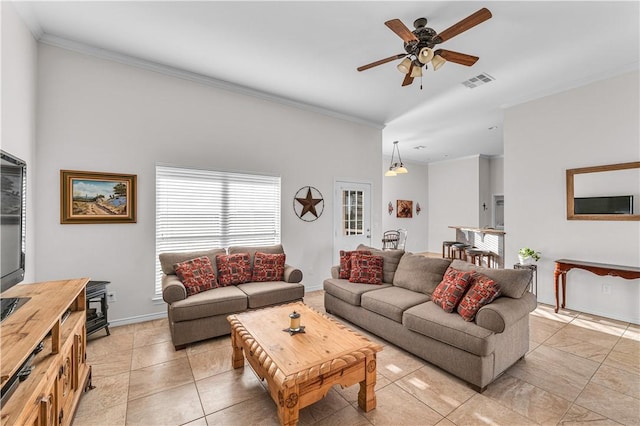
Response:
column 137, row 319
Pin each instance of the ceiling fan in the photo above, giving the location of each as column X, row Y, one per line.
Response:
column 419, row 44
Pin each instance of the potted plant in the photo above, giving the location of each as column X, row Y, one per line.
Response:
column 526, row 254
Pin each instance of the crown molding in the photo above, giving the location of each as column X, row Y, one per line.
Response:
column 196, row 78
column 26, row 14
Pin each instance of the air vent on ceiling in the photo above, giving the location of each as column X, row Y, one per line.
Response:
column 478, row 80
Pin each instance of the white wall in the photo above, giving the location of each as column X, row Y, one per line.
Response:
column 453, row 198
column 593, row 125
column 98, row 115
column 484, row 192
column 496, row 178
column 410, row 186
column 18, row 135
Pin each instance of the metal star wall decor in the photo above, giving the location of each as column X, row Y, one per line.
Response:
column 308, row 200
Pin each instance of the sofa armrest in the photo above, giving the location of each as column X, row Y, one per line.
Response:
column 173, row 289
column 291, row 274
column 504, row 311
column 335, row 272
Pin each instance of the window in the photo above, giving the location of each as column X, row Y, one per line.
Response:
column 352, row 205
column 205, row 209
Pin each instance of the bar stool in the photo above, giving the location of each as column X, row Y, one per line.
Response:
column 447, row 245
column 458, row 251
column 474, row 255
column 490, row 259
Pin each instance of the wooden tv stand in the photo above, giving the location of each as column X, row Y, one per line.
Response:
column 55, row 314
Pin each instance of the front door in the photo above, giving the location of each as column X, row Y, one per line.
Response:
column 352, row 216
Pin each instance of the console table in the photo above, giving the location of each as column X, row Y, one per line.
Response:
column 565, row 265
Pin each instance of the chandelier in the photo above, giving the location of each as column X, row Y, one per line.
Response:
column 396, row 167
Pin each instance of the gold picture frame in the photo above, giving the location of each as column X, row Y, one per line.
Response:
column 97, row 197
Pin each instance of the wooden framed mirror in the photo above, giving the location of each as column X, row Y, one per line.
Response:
column 609, row 192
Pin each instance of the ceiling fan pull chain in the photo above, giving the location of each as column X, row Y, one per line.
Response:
column 420, row 82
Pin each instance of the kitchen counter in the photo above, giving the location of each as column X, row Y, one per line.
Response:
column 485, row 239
column 482, row 230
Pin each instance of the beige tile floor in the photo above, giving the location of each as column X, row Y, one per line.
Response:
column 580, row 369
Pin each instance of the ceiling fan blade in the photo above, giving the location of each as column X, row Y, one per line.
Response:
column 407, row 78
column 382, row 61
column 457, row 57
column 401, row 29
column 469, row 22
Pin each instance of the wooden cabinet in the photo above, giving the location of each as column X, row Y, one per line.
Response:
column 54, row 315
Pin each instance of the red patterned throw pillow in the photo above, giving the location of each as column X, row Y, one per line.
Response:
column 365, row 268
column 454, row 284
column 196, row 274
column 345, row 262
column 482, row 292
column 233, row 268
column 268, row 267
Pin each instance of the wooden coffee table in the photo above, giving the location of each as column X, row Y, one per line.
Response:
column 301, row 368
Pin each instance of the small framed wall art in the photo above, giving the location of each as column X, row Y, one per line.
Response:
column 96, row 197
column 404, row 208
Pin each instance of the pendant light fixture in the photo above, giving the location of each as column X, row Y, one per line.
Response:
column 398, row 167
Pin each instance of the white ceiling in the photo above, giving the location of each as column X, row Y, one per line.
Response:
column 308, row 52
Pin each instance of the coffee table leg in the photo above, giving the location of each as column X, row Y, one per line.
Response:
column 367, row 395
column 237, row 357
column 288, row 406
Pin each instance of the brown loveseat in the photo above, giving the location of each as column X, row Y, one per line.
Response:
column 204, row 315
column 400, row 310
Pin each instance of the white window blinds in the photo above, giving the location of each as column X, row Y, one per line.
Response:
column 205, row 209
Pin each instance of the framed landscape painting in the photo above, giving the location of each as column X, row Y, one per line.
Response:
column 95, row 197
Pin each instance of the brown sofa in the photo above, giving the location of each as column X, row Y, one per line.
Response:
column 400, row 310
column 204, row 315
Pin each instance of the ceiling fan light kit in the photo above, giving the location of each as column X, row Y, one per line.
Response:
column 425, row 55
column 416, row 71
column 405, row 65
column 437, row 62
column 419, row 44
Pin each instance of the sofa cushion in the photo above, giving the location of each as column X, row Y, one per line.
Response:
column 349, row 292
column 513, row 282
column 391, row 302
column 366, row 268
column 390, row 259
column 217, row 301
column 420, row 273
column 482, row 292
column 431, row 321
column 268, row 267
column 167, row 260
column 274, row 249
column 196, row 274
column 345, row 262
column 233, row 268
column 450, row 291
column 271, row 293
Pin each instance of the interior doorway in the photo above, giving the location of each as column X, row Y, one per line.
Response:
column 498, row 211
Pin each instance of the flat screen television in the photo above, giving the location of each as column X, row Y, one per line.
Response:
column 13, row 180
column 621, row 204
